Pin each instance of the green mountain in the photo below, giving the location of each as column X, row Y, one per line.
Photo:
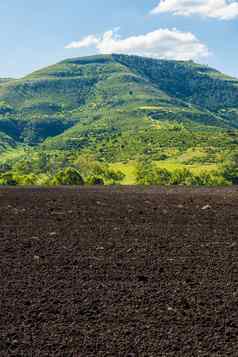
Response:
column 121, row 108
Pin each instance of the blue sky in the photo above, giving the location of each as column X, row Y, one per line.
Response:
column 34, row 34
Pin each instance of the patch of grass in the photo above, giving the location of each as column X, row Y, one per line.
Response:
column 128, row 169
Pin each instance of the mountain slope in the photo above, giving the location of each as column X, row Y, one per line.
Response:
column 4, row 80
column 119, row 106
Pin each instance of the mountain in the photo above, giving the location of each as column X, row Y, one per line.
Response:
column 120, row 107
column 4, row 80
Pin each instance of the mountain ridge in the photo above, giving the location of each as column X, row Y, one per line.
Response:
column 98, row 103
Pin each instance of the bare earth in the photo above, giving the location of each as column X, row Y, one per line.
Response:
column 111, row 271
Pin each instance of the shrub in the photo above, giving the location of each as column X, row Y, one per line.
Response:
column 149, row 174
column 113, row 177
column 181, row 177
column 30, row 179
column 94, row 180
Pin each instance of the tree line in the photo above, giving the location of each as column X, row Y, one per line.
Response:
column 49, row 169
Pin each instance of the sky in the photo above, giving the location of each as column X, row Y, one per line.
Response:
column 35, row 34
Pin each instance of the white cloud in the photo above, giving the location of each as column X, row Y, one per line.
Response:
column 162, row 43
column 218, row 9
column 85, row 42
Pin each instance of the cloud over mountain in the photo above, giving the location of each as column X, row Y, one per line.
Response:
column 161, row 43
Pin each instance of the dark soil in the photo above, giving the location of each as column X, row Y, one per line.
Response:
column 118, row 272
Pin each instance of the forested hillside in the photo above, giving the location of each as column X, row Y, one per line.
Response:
column 120, row 109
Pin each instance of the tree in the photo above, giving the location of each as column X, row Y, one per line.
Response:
column 69, row 176
column 89, row 166
column 149, row 174
column 5, row 167
column 145, row 172
column 230, row 169
column 7, row 179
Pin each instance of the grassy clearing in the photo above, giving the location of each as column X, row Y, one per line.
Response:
column 192, row 153
column 129, row 169
column 195, row 168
